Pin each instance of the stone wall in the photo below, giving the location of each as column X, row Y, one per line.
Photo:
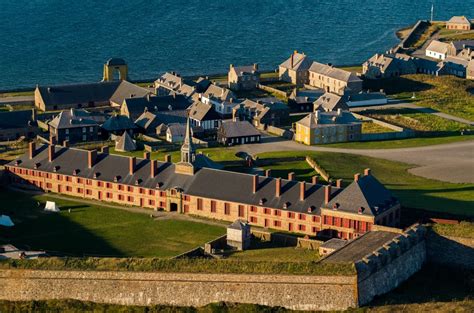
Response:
column 184, row 289
column 451, row 251
column 390, row 265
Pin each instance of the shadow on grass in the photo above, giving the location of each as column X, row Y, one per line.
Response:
column 54, row 233
column 396, row 85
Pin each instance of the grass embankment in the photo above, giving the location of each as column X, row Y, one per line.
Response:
column 97, row 230
column 413, row 191
column 422, row 36
column 463, row 229
column 414, row 119
column 447, row 35
column 372, row 128
column 181, row 266
column 446, row 94
column 401, row 143
column 17, row 94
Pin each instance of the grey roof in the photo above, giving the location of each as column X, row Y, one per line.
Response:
column 203, row 112
column 244, row 69
column 117, row 123
column 309, row 95
column 16, row 119
column 334, row 243
column 151, row 120
column 136, row 106
column 459, row 20
column 438, row 46
column 232, row 129
column 75, row 118
column 323, row 119
column 330, row 102
column 219, row 92
column 116, row 61
column 177, row 129
column 128, row 90
column 367, row 194
column 170, row 80
column 358, row 248
column 461, row 44
column 238, row 224
column 300, row 62
column 125, row 143
column 333, row 72
column 77, row 93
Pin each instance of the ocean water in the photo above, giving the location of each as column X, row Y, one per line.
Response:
column 57, row 41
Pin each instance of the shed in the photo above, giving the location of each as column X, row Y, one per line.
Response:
column 238, row 235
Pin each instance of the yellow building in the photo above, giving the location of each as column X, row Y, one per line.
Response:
column 328, row 127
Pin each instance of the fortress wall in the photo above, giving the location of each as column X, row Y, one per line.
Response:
column 183, row 289
column 451, row 251
column 390, row 265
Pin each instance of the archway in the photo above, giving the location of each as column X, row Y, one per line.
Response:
column 173, row 207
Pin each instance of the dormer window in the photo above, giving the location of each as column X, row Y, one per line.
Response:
column 262, row 201
column 310, row 209
column 37, row 165
column 96, row 175
column 116, row 179
column 286, row 205
column 158, row 185
column 75, row 172
column 361, row 210
column 335, row 206
column 138, row 181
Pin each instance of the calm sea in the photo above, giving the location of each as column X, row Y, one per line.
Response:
column 57, row 41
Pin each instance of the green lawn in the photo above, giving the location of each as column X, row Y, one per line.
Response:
column 372, row 128
column 463, row 229
column 413, row 191
column 401, row 143
column 99, row 230
column 446, row 94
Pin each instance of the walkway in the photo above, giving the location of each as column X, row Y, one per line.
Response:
column 452, row 162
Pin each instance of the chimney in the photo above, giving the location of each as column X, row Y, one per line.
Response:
column 66, row 143
column 153, row 168
column 91, row 157
column 268, row 173
column 356, row 177
column 231, row 66
column 33, row 115
column 168, row 158
column 314, row 179
column 255, row 67
column 131, row 164
column 105, row 150
column 302, row 190
column 146, row 155
column 254, row 183
column 327, row 194
column 52, row 140
column 50, row 153
column 367, row 172
column 291, row 176
column 291, row 59
column 32, row 149
column 278, row 187
column 339, row 183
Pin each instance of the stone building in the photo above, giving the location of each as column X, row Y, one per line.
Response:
column 262, row 111
column 134, row 107
column 388, row 65
column 470, row 70
column 295, row 69
column 238, row 235
column 233, row 132
column 115, row 69
column 75, row 126
column 458, row 23
column 328, row 127
column 205, row 116
column 194, row 186
column 330, row 102
column 243, row 77
column 332, row 79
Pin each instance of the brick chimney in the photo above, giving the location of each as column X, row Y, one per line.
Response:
column 254, row 183
column 66, row 143
column 327, row 194
column 278, row 187
column 314, row 180
column 51, row 153
column 32, row 149
column 367, row 172
column 339, row 183
column 131, row 164
column 302, row 190
column 268, row 173
column 52, row 140
column 91, row 158
column 168, row 158
column 105, row 150
column 146, row 155
column 153, row 168
column 291, row 176
column 356, row 177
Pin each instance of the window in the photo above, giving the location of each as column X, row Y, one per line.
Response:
column 291, row 215
column 84, row 137
column 151, row 202
column 253, row 209
column 162, row 194
column 227, row 208
column 315, row 219
column 84, row 129
column 120, row 187
column 91, row 129
column 302, row 217
column 241, row 210
column 277, row 223
column 88, row 192
column 80, row 190
column 213, row 206
column 277, row 212
column 253, row 219
column 108, row 195
column 302, row 227
column 129, row 189
column 130, row 199
column 120, row 197
column 152, row 192
column 109, row 185
column 199, row 204
column 267, row 211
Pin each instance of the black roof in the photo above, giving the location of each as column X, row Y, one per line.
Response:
column 117, row 123
column 136, row 106
column 16, row 119
column 116, row 61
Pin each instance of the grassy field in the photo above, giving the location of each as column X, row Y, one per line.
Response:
column 17, row 94
column 463, row 229
column 98, row 230
column 446, row 94
column 414, row 119
column 372, row 128
column 401, row 143
column 413, row 191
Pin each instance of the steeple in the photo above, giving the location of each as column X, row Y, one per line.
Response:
column 188, row 152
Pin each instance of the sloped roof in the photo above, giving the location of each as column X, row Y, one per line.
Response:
column 170, row 80
column 136, row 106
column 366, row 193
column 77, row 93
column 16, row 119
column 118, row 122
column 128, row 90
column 238, row 129
column 300, row 62
column 321, row 119
column 238, row 225
column 203, row 112
column 244, row 69
column 459, row 20
column 219, row 92
column 125, row 143
column 116, row 61
column 75, row 118
column 330, row 101
column 438, row 46
column 333, row 72
column 177, row 129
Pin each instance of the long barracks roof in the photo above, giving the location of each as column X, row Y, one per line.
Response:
column 333, row 72
column 210, row 183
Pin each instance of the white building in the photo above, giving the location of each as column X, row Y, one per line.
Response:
column 437, row 50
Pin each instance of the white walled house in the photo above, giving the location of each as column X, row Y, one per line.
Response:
column 437, row 50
